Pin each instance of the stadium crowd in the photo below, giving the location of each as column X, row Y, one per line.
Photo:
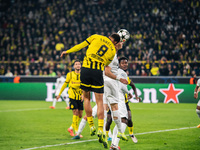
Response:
column 165, row 35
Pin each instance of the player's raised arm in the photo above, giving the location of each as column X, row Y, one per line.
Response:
column 112, row 76
column 75, row 48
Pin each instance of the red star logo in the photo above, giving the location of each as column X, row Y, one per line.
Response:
column 171, row 94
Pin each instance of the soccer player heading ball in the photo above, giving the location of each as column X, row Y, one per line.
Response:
column 124, row 35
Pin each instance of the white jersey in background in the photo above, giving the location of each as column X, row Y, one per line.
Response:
column 59, row 82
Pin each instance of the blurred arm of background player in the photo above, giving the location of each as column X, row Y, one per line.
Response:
column 135, row 91
column 196, row 91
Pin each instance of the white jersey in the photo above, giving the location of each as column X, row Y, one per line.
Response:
column 111, row 86
column 114, row 67
column 59, row 82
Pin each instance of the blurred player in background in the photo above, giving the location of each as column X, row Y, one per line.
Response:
column 101, row 51
column 196, row 90
column 59, row 82
column 75, row 95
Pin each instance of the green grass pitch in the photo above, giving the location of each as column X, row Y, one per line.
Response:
column 32, row 125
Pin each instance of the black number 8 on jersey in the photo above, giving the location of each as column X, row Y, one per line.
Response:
column 102, row 50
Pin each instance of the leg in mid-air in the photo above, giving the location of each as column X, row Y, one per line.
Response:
column 198, row 112
column 117, row 120
column 108, row 124
column 130, row 124
column 116, row 139
column 100, row 114
column 84, row 121
column 130, row 127
column 88, row 111
column 111, row 98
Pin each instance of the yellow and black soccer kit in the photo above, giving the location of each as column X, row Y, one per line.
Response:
column 75, row 92
column 99, row 54
column 73, row 79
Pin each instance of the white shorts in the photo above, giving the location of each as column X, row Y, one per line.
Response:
column 111, row 89
column 122, row 107
column 198, row 104
column 94, row 111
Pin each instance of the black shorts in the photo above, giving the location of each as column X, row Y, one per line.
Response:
column 109, row 112
column 75, row 104
column 92, row 80
column 127, row 106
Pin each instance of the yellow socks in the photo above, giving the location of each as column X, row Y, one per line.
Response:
column 130, row 129
column 100, row 124
column 75, row 123
column 90, row 121
column 107, row 133
column 78, row 119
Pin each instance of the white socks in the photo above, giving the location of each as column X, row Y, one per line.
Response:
column 198, row 112
column 116, row 140
column 81, row 126
column 115, row 131
column 118, row 120
column 54, row 102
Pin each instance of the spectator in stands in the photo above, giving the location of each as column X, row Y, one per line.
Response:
column 154, row 70
column 193, row 79
column 161, row 32
column 9, row 73
column 163, row 70
column 52, row 73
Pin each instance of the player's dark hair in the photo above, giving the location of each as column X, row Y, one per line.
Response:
column 77, row 60
column 122, row 58
column 116, row 37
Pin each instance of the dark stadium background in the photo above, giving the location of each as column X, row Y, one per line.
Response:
column 164, row 34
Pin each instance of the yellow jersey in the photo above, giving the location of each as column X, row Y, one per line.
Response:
column 73, row 79
column 99, row 54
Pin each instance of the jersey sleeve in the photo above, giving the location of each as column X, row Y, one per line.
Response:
column 68, row 77
column 129, row 80
column 90, row 39
column 62, row 88
column 78, row 47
